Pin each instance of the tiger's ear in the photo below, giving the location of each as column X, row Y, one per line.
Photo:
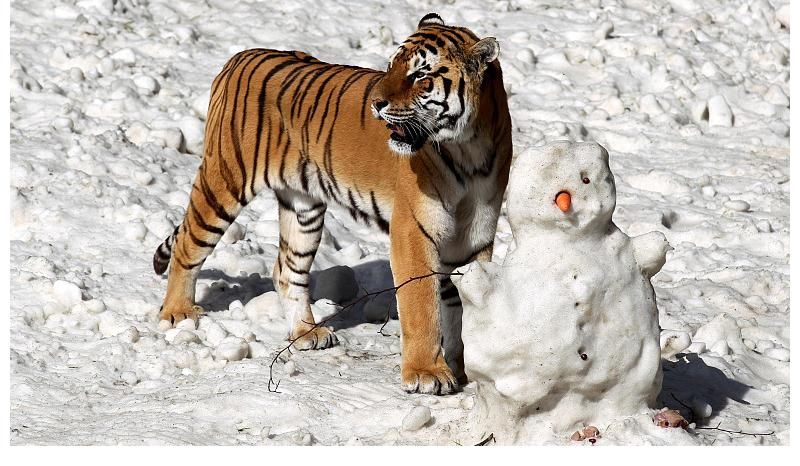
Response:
column 485, row 51
column 430, row 18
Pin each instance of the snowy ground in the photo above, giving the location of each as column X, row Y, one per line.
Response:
column 107, row 106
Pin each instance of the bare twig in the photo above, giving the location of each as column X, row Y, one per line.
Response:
column 754, row 434
column 272, row 386
column 486, row 441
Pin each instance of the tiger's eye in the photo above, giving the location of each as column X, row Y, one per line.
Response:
column 585, row 180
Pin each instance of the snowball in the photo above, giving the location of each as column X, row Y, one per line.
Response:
column 147, row 84
column 719, row 113
column 781, row 354
column 137, row 133
column 264, row 307
column 596, row 57
column 129, row 335
column 323, row 309
column 776, row 96
column 164, row 325
column 701, row 408
column 673, row 342
column 135, row 230
column 416, row 418
column 193, row 131
column 215, row 334
column 603, row 30
column 782, row 16
column 232, row 349
column 186, row 324
column 649, row 105
column 613, row 106
column 184, row 336
column 526, row 56
column 111, row 324
column 234, row 233
column 737, row 205
column 126, row 56
column 291, row 368
column 337, row 284
column 66, row 293
column 129, row 377
column 258, row 350
column 167, row 137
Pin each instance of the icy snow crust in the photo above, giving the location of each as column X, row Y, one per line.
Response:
column 107, row 105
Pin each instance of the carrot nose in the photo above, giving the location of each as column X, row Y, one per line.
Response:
column 563, row 201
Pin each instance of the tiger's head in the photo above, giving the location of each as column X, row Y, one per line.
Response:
column 432, row 85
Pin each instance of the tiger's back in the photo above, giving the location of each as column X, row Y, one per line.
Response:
column 287, row 121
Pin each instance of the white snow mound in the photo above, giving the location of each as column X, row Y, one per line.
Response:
column 565, row 332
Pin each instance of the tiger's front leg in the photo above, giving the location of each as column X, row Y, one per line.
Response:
column 414, row 253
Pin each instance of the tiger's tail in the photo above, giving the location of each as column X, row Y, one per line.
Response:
column 164, row 253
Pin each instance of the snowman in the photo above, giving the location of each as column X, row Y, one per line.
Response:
column 565, row 332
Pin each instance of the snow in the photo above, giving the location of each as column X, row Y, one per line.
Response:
column 107, row 104
column 579, row 344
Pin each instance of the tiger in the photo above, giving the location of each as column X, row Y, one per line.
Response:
column 420, row 151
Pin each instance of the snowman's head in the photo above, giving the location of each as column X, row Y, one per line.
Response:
column 564, row 185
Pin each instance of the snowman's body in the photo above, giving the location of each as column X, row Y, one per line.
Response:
column 565, row 332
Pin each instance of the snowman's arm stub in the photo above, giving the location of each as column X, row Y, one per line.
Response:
column 650, row 251
column 477, row 281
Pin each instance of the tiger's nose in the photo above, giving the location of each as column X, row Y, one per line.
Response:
column 379, row 104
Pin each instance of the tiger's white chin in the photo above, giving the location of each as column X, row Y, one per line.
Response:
column 401, row 148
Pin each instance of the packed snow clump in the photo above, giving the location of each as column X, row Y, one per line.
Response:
column 565, row 332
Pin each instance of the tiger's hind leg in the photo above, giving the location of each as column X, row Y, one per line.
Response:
column 209, row 214
column 301, row 218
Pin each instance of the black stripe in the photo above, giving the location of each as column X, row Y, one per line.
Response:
column 199, row 242
column 295, row 283
column 259, row 125
column 198, row 219
column 213, row 203
column 424, row 232
column 365, row 98
column 382, row 223
column 448, row 161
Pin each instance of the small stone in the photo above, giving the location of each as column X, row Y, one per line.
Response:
column 764, row 226
column 416, row 418
column 708, row 191
column 164, row 325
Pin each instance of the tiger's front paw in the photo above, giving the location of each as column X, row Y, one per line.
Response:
column 437, row 379
column 317, row 338
column 177, row 314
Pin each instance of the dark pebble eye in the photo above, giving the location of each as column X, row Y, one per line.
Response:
column 585, row 180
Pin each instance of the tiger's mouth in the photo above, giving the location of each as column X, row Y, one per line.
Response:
column 406, row 137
